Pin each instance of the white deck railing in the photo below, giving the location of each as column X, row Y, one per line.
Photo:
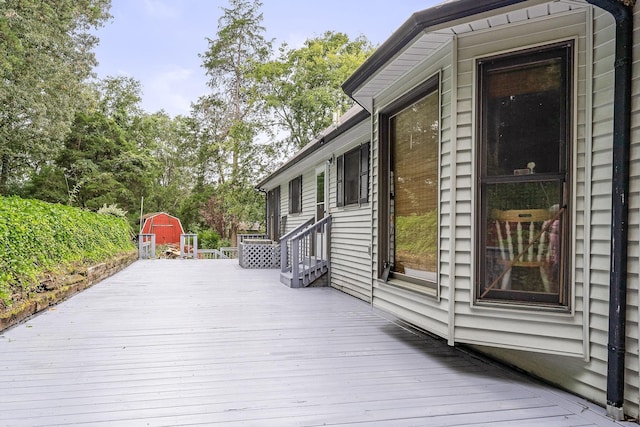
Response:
column 146, row 246
column 305, row 251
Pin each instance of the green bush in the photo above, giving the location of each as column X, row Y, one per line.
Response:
column 208, row 239
column 37, row 237
column 112, row 210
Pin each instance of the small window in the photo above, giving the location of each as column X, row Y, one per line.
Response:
column 353, row 176
column 524, row 159
column 295, row 195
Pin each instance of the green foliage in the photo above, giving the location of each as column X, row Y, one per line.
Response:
column 302, row 88
column 228, row 121
column 46, row 57
column 102, row 167
column 417, row 235
column 112, row 210
column 48, row 184
column 169, row 142
column 208, row 239
column 36, row 237
column 119, row 99
column 228, row 207
column 65, row 140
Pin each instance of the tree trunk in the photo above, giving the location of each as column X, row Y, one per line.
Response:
column 4, row 174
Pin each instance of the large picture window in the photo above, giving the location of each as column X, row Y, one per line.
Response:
column 524, row 159
column 409, row 187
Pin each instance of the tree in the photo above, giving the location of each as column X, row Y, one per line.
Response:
column 46, row 58
column 119, row 99
column 169, row 142
column 303, row 86
column 228, row 119
column 102, row 167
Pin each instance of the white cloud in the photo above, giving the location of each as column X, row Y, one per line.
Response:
column 172, row 90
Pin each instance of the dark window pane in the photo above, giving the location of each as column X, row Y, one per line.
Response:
column 522, row 133
column 523, row 228
column 351, row 177
column 320, row 196
column 340, row 181
column 295, row 195
column 522, row 235
column 320, row 187
column 364, row 173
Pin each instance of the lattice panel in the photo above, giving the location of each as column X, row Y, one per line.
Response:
column 259, row 255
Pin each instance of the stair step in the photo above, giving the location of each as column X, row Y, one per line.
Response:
column 313, row 274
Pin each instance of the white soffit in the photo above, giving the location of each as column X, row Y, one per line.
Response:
column 430, row 41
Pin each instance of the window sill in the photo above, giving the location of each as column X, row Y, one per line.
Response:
column 412, row 287
column 353, row 206
column 521, row 306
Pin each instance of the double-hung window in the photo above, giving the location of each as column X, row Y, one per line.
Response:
column 409, row 187
column 295, row 195
column 523, row 186
column 352, row 179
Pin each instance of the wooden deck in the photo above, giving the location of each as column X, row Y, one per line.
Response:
column 184, row 342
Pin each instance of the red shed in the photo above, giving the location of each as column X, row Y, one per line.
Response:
column 167, row 228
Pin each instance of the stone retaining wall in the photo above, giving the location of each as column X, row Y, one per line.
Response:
column 56, row 290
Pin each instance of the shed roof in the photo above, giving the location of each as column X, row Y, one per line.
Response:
column 152, row 214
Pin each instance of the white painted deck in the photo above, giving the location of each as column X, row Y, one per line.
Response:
column 184, row 342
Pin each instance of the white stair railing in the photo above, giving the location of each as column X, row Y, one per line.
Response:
column 310, row 251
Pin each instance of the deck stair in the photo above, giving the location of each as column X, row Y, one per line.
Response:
column 304, row 253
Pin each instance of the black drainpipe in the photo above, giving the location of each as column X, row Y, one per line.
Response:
column 266, row 208
column 622, row 11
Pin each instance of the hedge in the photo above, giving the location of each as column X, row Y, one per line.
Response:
column 38, row 237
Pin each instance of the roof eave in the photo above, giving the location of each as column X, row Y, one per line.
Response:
column 416, row 24
column 331, row 133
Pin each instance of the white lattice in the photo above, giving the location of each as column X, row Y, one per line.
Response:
column 259, row 255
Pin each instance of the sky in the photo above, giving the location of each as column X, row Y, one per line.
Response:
column 158, row 42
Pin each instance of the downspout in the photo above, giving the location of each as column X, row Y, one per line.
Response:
column 622, row 12
column 266, row 209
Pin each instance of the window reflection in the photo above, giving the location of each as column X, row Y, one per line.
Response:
column 414, row 137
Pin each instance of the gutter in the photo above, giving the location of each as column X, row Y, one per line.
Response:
column 266, row 210
column 417, row 23
column 331, row 133
column 622, row 12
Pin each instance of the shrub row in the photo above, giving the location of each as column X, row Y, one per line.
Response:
column 38, row 237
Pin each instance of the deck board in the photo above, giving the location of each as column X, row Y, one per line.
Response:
column 184, row 342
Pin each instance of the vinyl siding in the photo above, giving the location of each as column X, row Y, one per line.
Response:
column 308, row 200
column 351, row 227
column 422, row 308
column 500, row 326
column 588, row 377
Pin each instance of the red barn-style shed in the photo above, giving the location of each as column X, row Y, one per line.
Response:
column 167, row 228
